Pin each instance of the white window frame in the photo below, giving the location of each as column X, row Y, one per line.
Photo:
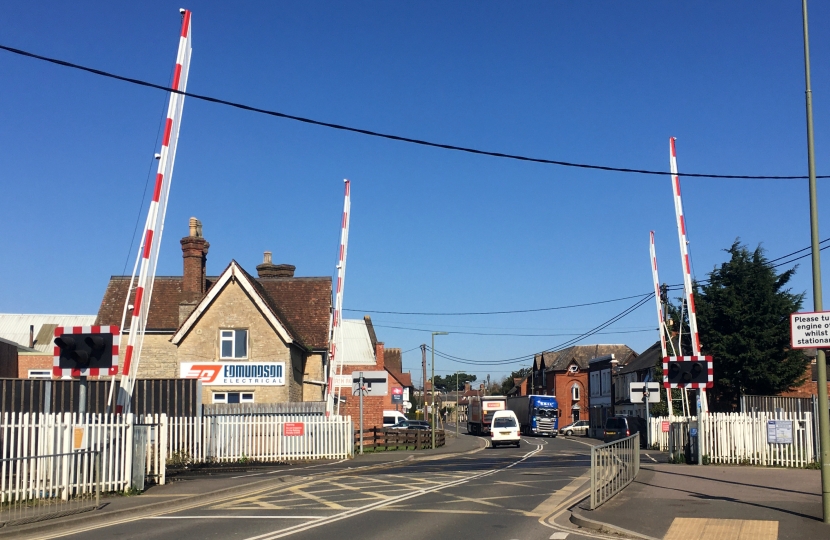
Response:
column 243, row 397
column 575, row 392
column 40, row 374
column 232, row 340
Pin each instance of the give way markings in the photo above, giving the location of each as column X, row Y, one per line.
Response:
column 386, row 502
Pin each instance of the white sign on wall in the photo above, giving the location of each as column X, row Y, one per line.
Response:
column 341, row 380
column 235, row 373
column 810, row 330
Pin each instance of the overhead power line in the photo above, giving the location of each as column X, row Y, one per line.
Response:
column 509, row 334
column 389, row 136
column 525, row 357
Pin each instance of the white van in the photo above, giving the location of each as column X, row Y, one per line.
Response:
column 390, row 418
column 504, row 429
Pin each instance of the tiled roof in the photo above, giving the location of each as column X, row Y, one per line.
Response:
column 302, row 304
column 581, row 354
column 404, row 378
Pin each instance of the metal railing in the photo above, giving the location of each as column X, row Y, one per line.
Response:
column 36, row 488
column 614, row 465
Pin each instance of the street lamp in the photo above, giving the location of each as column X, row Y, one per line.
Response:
column 432, row 384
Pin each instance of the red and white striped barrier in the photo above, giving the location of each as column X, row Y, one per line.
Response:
column 151, row 240
column 335, row 364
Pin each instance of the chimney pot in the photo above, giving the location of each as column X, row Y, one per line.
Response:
column 266, row 258
column 270, row 270
column 194, row 253
column 32, row 336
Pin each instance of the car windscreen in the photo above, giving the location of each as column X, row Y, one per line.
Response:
column 389, row 420
column 504, row 422
column 615, row 423
column 545, row 413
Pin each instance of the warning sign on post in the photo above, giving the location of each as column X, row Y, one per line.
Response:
column 810, row 330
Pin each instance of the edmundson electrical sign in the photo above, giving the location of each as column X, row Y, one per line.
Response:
column 235, row 373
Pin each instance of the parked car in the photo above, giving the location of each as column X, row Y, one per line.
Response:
column 390, row 418
column 577, row 428
column 504, row 429
column 620, row 427
column 411, row 424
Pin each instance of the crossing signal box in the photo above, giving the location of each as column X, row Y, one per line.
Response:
column 86, row 350
column 688, row 372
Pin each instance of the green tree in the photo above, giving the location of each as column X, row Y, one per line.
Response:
column 448, row 382
column 743, row 321
column 507, row 383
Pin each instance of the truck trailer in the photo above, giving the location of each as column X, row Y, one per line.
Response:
column 538, row 415
column 480, row 413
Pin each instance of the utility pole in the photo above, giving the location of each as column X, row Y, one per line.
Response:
column 456, row 404
column 424, row 379
column 432, row 385
column 823, row 414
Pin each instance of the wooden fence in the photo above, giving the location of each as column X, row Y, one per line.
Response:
column 736, row 438
column 385, row 438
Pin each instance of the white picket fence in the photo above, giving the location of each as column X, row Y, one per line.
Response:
column 32, row 436
column 38, row 450
column 737, row 438
column 260, row 437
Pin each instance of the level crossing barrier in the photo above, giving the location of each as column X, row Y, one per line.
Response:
column 614, row 465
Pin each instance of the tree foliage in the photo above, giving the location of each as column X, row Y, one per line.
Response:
column 743, row 321
column 507, row 383
column 448, row 382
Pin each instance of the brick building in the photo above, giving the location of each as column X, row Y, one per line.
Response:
column 34, row 335
column 564, row 374
column 363, row 352
column 250, row 340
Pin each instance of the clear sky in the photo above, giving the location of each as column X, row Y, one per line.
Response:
column 432, row 230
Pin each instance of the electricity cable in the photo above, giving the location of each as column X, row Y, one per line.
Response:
column 388, row 136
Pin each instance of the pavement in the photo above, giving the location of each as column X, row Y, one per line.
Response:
column 689, row 502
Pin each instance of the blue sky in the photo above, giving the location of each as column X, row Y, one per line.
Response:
column 432, row 230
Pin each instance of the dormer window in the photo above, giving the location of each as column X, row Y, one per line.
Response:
column 233, row 343
column 573, row 368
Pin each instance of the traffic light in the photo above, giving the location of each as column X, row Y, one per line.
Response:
column 87, row 350
column 688, row 372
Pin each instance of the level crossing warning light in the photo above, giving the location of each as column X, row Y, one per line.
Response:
column 85, row 350
column 688, row 372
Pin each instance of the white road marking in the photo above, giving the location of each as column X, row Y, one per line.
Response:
column 651, row 458
column 235, row 517
column 283, row 470
column 559, row 536
column 385, row 503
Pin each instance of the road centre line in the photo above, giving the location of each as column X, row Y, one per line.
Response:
column 381, row 504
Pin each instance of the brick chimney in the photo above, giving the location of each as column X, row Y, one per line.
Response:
column 270, row 270
column 194, row 252
column 380, row 359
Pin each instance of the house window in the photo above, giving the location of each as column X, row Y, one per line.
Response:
column 233, row 343
column 575, row 392
column 233, row 397
column 40, row 373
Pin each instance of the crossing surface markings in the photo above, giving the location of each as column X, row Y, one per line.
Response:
column 721, row 529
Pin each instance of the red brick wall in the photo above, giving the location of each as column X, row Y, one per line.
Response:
column 562, row 384
column 25, row 362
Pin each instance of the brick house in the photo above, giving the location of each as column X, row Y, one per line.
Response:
column 564, row 374
column 363, row 352
column 250, row 340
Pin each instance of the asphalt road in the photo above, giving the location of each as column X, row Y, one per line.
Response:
column 499, row 494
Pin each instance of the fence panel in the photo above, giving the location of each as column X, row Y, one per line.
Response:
column 737, row 438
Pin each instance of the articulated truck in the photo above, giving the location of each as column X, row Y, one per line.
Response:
column 538, row 415
column 480, row 413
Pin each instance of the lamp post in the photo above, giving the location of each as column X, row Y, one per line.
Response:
column 456, row 404
column 432, row 384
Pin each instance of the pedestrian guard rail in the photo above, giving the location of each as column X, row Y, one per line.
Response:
column 614, row 465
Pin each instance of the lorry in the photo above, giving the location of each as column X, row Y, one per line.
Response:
column 538, row 415
column 480, row 411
